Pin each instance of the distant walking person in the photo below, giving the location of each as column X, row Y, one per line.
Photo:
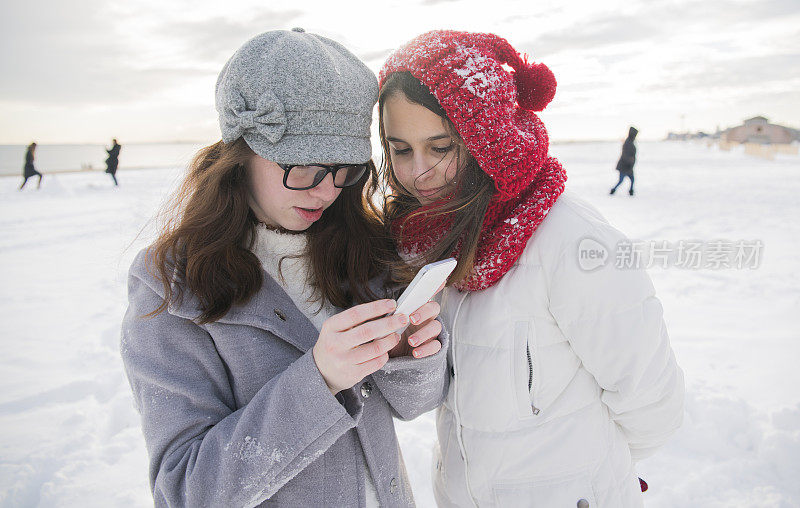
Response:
column 627, row 160
column 113, row 160
column 29, row 171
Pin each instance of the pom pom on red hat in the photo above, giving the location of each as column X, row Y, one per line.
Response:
column 536, row 86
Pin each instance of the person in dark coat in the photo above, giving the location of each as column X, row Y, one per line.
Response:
column 113, row 160
column 29, row 170
column 627, row 160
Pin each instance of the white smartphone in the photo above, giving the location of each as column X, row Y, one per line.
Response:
column 424, row 287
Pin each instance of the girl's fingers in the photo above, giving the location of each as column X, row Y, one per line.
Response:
column 428, row 311
column 429, row 348
column 374, row 349
column 373, row 365
column 359, row 314
column 426, row 333
column 376, row 329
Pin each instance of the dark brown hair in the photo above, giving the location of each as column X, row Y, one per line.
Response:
column 466, row 206
column 209, row 230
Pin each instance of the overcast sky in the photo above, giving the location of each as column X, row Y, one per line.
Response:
column 144, row 70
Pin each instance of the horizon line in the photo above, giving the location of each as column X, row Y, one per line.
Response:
column 205, row 142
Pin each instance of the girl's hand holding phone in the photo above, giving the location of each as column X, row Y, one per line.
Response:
column 420, row 339
column 355, row 343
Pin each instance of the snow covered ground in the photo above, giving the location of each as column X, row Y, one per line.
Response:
column 71, row 436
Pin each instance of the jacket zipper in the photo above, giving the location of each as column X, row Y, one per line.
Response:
column 530, row 367
column 530, row 376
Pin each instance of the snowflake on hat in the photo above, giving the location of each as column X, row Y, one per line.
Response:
column 493, row 111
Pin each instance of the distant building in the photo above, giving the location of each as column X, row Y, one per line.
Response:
column 759, row 130
column 685, row 136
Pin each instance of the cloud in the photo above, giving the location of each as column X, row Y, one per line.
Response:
column 376, row 55
column 591, row 34
column 217, row 37
column 733, row 73
column 55, row 52
column 591, row 86
column 86, row 53
column 124, row 59
column 73, row 53
column 663, row 23
column 723, row 14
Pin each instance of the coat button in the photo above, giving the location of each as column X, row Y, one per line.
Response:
column 280, row 314
column 582, row 503
column 393, row 485
column 366, row 390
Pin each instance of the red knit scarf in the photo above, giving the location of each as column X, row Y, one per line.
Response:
column 506, row 229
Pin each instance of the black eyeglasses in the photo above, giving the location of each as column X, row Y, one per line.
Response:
column 302, row 177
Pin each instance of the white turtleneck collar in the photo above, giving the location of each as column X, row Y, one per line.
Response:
column 270, row 247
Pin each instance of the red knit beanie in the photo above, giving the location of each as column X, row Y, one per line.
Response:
column 490, row 107
column 492, row 110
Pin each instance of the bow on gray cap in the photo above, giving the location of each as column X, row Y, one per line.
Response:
column 268, row 118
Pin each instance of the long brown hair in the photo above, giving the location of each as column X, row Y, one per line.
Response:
column 466, row 206
column 209, row 230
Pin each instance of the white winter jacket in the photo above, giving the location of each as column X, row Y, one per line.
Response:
column 563, row 376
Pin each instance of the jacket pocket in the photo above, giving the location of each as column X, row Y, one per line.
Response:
column 522, row 367
column 569, row 491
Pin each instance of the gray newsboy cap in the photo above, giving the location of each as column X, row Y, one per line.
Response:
column 297, row 98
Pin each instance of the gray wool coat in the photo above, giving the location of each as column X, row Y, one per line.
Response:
column 236, row 413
